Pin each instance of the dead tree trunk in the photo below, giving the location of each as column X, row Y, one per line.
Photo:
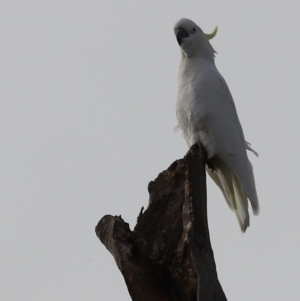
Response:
column 168, row 255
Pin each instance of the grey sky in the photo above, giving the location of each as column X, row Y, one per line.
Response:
column 88, row 91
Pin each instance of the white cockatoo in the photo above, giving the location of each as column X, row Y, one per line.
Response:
column 206, row 114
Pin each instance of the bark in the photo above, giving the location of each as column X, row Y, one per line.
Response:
column 168, row 255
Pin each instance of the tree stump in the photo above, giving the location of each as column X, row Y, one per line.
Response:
column 168, row 256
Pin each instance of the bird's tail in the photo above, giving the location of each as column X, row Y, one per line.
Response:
column 233, row 192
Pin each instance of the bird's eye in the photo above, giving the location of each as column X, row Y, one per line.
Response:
column 194, row 29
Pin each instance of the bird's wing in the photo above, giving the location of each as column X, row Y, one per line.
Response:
column 223, row 126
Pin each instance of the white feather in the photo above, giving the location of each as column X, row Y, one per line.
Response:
column 206, row 114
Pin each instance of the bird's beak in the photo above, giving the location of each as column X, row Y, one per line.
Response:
column 180, row 35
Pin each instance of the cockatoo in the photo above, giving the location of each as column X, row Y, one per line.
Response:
column 206, row 114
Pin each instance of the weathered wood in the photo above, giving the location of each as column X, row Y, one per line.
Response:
column 168, row 255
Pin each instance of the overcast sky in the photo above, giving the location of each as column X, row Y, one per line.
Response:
column 87, row 112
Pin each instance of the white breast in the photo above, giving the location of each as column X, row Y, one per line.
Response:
column 190, row 110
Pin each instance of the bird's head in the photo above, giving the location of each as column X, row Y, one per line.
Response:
column 192, row 40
